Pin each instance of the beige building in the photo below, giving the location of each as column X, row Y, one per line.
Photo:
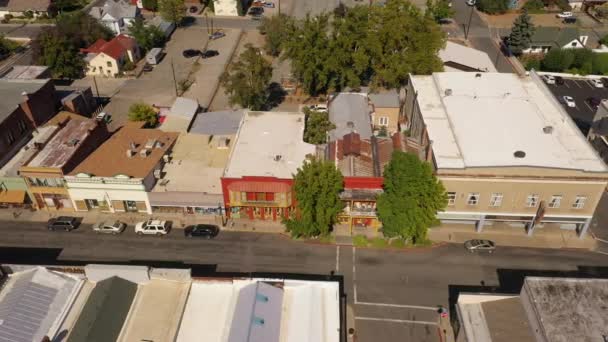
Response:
column 385, row 110
column 505, row 150
column 108, row 58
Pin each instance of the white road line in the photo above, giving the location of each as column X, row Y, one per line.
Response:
column 588, row 105
column 578, row 85
column 566, row 84
column 394, row 320
column 337, row 259
column 431, row 308
column 601, row 252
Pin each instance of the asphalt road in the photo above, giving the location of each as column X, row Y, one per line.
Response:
column 394, row 294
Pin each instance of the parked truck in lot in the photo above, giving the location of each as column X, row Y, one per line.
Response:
column 154, row 56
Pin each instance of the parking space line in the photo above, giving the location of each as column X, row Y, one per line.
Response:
column 566, row 84
column 585, row 102
column 589, row 84
column 337, row 259
column 354, row 277
column 578, row 85
column 431, row 308
column 395, row 320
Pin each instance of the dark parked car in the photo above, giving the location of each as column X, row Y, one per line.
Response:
column 480, row 246
column 569, row 20
column 190, row 53
column 206, row 231
column 559, row 80
column 209, row 53
column 594, row 102
column 66, row 223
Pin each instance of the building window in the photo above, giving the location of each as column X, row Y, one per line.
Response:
column 10, row 138
column 579, row 202
column 260, row 196
column 496, row 199
column 109, row 64
column 473, row 198
column 383, row 121
column 451, row 199
column 532, row 201
column 555, row 202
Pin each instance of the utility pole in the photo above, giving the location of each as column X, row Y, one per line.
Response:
column 96, row 89
column 466, row 32
column 174, row 80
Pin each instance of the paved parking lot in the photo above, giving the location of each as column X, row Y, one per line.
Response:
column 580, row 90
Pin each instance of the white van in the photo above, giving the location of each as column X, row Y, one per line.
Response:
column 154, row 56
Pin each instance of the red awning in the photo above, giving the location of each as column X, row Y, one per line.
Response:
column 259, row 187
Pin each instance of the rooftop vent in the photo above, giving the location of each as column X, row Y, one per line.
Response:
column 130, row 153
column 144, row 152
column 448, row 92
column 477, row 75
column 159, row 144
column 72, row 142
column 350, row 124
column 132, row 145
column 278, row 157
column 548, row 129
column 519, row 154
column 150, row 143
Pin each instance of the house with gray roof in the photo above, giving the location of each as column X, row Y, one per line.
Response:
column 18, row 8
column 117, row 15
column 350, row 112
column 547, row 38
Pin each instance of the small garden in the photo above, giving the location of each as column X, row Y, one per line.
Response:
column 572, row 61
column 532, row 6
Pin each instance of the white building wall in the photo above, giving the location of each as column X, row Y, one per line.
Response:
column 108, row 192
column 226, row 7
column 99, row 66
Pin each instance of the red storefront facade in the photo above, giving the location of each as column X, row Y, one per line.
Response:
column 359, row 197
column 258, row 198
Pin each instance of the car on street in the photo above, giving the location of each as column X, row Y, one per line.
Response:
column 597, row 83
column 480, row 246
column 66, row 223
column 189, row 53
column 320, row 107
column 569, row 20
column 549, row 79
column 209, row 53
column 217, row 35
column 569, row 101
column 593, row 102
column 148, row 68
column 109, row 227
column 471, row 2
column 153, row 227
column 565, row 15
column 559, row 80
column 206, row 231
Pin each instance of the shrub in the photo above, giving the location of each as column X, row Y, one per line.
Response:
column 532, row 64
column 557, row 60
column 360, row 241
column 534, row 6
column 8, row 17
column 28, row 14
column 600, row 63
column 379, row 243
column 397, row 243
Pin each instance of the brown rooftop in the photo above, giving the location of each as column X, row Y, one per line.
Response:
column 131, row 151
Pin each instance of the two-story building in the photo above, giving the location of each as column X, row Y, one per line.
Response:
column 117, row 15
column 258, row 179
column 505, row 150
column 108, row 58
column 44, row 173
column 119, row 174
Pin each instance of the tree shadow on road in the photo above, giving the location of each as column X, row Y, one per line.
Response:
column 276, row 96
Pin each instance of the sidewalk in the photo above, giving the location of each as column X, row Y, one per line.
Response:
column 509, row 236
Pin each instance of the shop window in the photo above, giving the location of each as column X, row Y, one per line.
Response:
column 270, row 196
column 496, row 199
column 579, row 202
column 260, row 196
column 556, row 201
column 251, row 196
column 532, row 201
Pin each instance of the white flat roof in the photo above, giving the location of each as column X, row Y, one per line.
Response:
column 466, row 56
column 269, row 144
column 487, row 117
column 310, row 310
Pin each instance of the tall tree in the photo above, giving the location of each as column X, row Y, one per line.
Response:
column 247, row 80
column 317, row 186
column 412, row 196
column 147, row 37
column 151, row 5
column 317, row 126
column 439, row 9
column 276, row 30
column 521, row 33
column 60, row 54
column 143, row 112
column 172, row 11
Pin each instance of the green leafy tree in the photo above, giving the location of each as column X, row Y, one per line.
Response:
column 172, row 11
column 317, row 126
column 411, row 199
column 600, row 64
column 83, row 29
column 151, row 5
column 60, row 54
column 317, row 186
column 439, row 9
column 534, row 6
column 7, row 46
column 521, row 33
column 247, row 80
column 147, row 37
column 493, row 6
column 143, row 112
column 276, row 30
column 401, row 40
column 557, row 60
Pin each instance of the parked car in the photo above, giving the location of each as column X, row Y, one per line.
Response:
column 66, row 223
column 549, row 79
column 217, row 35
column 193, row 9
column 471, row 2
column 147, row 68
column 597, row 83
column 569, row 20
column 569, row 101
column 565, row 15
column 109, row 227
column 153, row 227
column 209, row 53
column 605, row 81
column 559, row 80
column 189, row 53
column 206, row 231
column 480, row 246
column 321, row 107
column 593, row 102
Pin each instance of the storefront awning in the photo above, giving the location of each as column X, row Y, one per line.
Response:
column 184, row 199
column 12, row 196
column 259, row 187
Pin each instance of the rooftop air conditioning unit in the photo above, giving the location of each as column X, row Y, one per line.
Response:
column 157, row 174
column 144, row 152
column 277, row 157
column 150, row 143
column 130, row 153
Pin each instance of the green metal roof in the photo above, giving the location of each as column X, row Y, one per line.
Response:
column 555, row 36
column 105, row 311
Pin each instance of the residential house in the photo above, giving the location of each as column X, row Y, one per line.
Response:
column 457, row 57
column 164, row 26
column 545, row 309
column 25, row 105
column 386, row 110
column 108, row 58
column 117, row 176
column 44, row 172
column 116, row 15
column 267, row 152
column 20, row 8
column 506, row 151
column 547, row 38
column 203, row 151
